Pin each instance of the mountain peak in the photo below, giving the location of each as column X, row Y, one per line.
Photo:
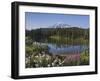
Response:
column 61, row 25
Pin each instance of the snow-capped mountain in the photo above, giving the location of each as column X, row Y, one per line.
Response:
column 61, row 25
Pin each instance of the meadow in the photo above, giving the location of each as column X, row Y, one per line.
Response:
column 55, row 47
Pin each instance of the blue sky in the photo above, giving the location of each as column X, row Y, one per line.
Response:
column 37, row 20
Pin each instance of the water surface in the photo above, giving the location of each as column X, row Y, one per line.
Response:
column 66, row 49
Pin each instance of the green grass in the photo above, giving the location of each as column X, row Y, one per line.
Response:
column 84, row 59
column 65, row 40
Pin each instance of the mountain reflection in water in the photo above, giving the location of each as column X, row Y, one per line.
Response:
column 66, row 49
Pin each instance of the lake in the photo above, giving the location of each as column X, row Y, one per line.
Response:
column 66, row 49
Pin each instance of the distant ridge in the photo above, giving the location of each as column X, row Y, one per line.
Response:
column 60, row 25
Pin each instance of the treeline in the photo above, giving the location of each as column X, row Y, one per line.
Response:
column 45, row 33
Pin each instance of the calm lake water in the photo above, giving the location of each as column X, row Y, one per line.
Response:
column 66, row 49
